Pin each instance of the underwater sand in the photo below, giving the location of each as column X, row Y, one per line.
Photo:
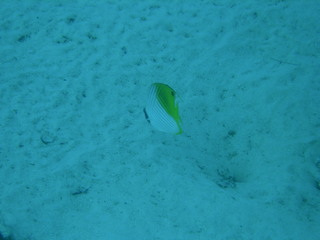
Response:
column 79, row 161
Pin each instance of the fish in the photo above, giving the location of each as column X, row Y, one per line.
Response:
column 162, row 110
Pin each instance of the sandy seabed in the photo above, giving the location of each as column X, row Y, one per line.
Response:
column 79, row 161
